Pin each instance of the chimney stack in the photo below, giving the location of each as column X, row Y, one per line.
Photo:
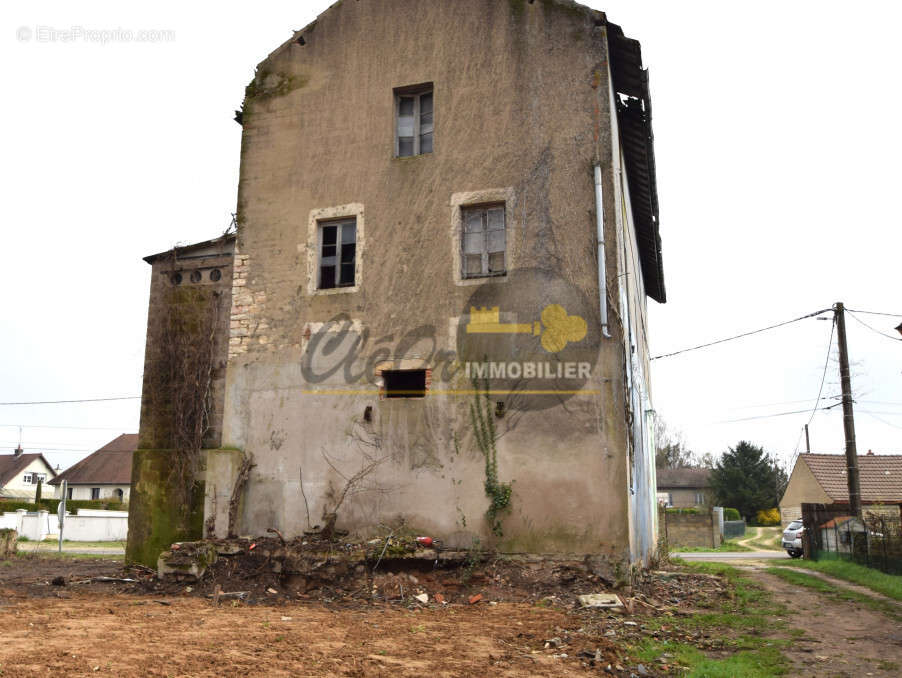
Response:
column 19, row 451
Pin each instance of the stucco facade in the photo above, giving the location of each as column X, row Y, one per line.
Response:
column 116, row 492
column 524, row 108
column 23, row 484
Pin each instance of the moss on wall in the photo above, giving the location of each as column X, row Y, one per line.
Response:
column 155, row 520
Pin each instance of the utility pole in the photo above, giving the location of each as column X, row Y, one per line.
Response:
column 807, row 440
column 848, row 417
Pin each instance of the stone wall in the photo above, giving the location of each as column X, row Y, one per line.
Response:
column 195, row 292
column 318, row 139
column 194, row 284
column 685, row 529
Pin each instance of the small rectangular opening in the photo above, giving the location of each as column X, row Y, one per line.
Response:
column 404, row 383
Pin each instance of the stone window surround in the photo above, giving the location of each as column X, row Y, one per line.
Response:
column 354, row 209
column 473, row 198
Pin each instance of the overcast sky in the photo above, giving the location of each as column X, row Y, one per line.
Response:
column 777, row 139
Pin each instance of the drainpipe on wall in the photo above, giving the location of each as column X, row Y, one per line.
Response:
column 602, row 278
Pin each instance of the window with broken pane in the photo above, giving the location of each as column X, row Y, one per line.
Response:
column 483, row 241
column 414, row 129
column 338, row 253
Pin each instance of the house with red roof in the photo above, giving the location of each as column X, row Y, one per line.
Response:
column 822, row 479
column 104, row 474
column 20, row 473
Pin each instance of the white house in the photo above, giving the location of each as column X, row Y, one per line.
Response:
column 104, row 474
column 20, row 473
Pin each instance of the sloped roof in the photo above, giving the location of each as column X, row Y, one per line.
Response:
column 688, row 477
column 12, row 465
column 110, row 465
column 634, row 120
column 224, row 244
column 880, row 475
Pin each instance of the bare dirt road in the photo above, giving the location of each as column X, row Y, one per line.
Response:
column 837, row 638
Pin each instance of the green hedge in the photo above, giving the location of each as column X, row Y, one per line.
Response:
column 72, row 505
column 683, row 510
column 731, row 514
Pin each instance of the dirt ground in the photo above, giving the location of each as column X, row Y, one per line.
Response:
column 841, row 638
column 119, row 635
column 61, row 615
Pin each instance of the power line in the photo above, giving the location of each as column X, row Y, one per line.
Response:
column 882, row 421
column 74, row 428
column 59, row 449
column 820, row 389
column 786, row 402
column 740, row 336
column 83, row 400
column 890, row 315
column 872, row 329
column 777, row 414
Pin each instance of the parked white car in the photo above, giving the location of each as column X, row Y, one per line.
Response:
column 792, row 538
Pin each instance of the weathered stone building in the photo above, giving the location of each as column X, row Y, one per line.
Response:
column 420, row 286
column 187, row 343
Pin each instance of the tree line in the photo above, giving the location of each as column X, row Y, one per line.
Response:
column 744, row 477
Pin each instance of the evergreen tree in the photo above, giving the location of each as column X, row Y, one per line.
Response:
column 748, row 479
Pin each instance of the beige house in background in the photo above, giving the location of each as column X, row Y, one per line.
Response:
column 822, row 479
column 20, row 473
column 684, row 487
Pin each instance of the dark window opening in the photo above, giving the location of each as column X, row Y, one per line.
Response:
column 119, row 493
column 95, row 493
column 338, row 254
column 215, row 275
column 68, row 493
column 195, row 276
column 405, row 383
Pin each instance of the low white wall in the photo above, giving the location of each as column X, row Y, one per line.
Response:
column 32, row 526
column 87, row 525
column 94, row 526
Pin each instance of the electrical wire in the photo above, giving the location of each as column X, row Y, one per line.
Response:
column 872, row 329
column 777, row 414
column 740, row 336
column 820, row 391
column 74, row 428
column 890, row 315
column 83, row 400
column 81, row 450
column 785, row 402
column 882, row 421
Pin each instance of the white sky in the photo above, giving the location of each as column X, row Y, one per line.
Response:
column 777, row 140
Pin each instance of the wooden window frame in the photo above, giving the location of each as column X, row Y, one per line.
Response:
column 485, row 271
column 339, row 223
column 414, row 92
